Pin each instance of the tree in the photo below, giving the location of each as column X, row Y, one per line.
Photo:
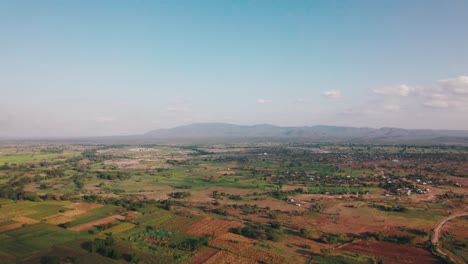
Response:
column 134, row 258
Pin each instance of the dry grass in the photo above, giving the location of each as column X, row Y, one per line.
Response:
column 10, row 226
column 263, row 256
column 57, row 219
column 209, row 226
column 91, row 224
column 232, row 242
column 224, row 257
column 25, row 220
column 83, row 206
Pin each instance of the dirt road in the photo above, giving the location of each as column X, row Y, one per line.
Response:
column 436, row 235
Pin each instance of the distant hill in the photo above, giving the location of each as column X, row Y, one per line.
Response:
column 316, row 133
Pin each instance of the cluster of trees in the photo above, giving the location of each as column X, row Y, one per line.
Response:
column 113, row 175
column 154, row 234
column 163, row 237
column 397, row 208
column 332, row 238
column 271, row 231
column 191, row 244
column 396, row 239
column 15, row 194
column 218, row 195
column 106, row 247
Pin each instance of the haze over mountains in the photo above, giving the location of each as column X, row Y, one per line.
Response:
column 317, row 133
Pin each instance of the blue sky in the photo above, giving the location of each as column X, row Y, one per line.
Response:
column 85, row 68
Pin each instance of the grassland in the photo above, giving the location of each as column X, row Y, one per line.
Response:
column 244, row 203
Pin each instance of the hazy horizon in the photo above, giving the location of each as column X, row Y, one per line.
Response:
column 87, row 68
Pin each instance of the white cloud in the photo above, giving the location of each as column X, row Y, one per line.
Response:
column 300, row 100
column 392, row 107
column 437, row 104
column 104, row 119
column 177, row 109
column 399, row 90
column 179, row 105
column 264, row 101
column 332, row 94
column 458, row 86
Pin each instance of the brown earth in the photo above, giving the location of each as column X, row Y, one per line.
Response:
column 207, row 255
column 25, row 220
column 210, row 226
column 89, row 225
column 10, row 226
column 224, row 257
column 57, row 219
column 458, row 227
column 83, row 206
column 226, row 172
column 261, row 256
column 232, row 242
column 391, row 253
column 5, row 256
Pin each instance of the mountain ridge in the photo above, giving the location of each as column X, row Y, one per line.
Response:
column 317, row 132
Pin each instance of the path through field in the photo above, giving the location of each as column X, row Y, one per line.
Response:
column 436, row 235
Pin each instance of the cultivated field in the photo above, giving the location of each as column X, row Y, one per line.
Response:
column 268, row 202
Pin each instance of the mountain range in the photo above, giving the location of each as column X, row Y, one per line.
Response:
column 313, row 133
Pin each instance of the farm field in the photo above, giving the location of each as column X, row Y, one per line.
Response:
column 273, row 202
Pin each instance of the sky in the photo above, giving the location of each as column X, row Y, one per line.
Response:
column 101, row 68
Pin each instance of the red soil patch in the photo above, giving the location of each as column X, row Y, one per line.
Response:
column 226, row 172
column 204, row 195
column 10, row 226
column 25, row 220
column 457, row 227
column 6, row 256
column 391, row 253
column 83, row 206
column 209, row 226
column 89, row 225
column 261, row 256
column 224, row 257
column 132, row 215
column 232, row 242
column 275, row 204
column 210, row 253
column 315, row 247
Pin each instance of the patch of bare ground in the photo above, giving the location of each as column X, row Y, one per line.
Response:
column 5, row 256
column 25, row 220
column 232, row 242
column 343, row 219
column 204, row 195
column 10, row 227
column 275, row 204
column 298, row 241
column 458, row 227
column 211, row 226
column 205, row 256
column 226, row 172
column 126, row 163
column 155, row 188
column 391, row 253
column 261, row 256
column 84, row 162
column 63, row 253
column 293, row 187
column 91, row 224
column 224, row 257
column 31, row 187
column 132, row 215
column 57, row 219
column 83, row 206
